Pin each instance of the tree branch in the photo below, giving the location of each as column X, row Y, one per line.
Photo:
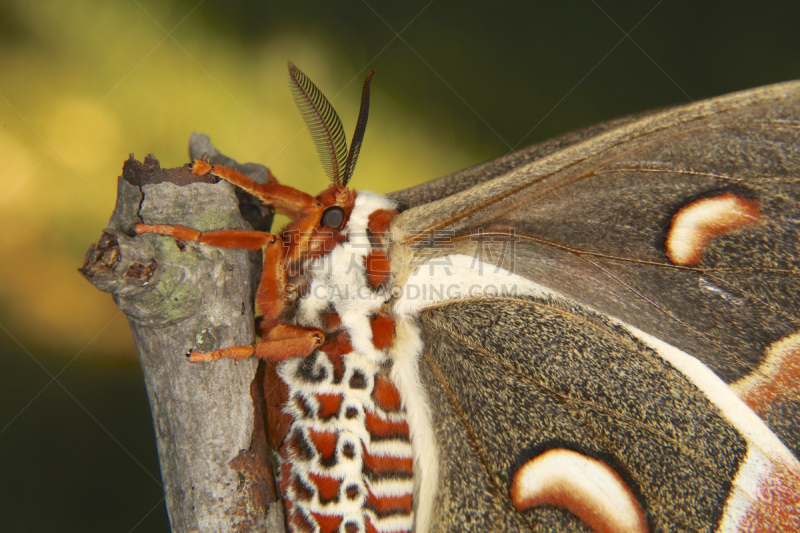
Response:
column 209, row 418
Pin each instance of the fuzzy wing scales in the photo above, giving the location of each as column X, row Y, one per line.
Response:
column 715, row 345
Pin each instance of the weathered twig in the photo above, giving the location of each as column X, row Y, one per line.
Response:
column 209, row 418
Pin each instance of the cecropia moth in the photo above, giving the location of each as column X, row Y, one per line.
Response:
column 598, row 333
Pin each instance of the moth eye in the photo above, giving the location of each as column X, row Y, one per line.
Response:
column 333, row 217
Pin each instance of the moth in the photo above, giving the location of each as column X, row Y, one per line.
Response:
column 598, row 333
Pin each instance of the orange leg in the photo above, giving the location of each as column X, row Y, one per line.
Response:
column 223, row 238
column 286, row 200
column 282, row 342
column 272, row 296
column 304, row 210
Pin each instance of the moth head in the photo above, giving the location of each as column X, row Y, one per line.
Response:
column 337, row 203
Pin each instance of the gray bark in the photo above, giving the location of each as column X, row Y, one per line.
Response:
column 209, row 417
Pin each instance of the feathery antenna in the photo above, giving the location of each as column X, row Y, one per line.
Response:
column 323, row 122
column 358, row 135
column 326, row 127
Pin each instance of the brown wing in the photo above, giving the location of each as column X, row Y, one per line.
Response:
column 511, row 379
column 599, row 221
column 591, row 222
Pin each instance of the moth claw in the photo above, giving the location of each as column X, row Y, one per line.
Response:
column 201, row 168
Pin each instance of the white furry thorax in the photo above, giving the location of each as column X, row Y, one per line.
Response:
column 337, row 282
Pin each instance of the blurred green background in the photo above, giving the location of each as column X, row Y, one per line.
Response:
column 83, row 83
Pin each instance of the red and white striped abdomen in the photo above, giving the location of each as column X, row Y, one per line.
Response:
column 346, row 459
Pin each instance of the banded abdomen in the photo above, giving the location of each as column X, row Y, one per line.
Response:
column 346, row 458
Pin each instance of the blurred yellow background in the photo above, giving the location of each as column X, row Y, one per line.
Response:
column 101, row 82
column 83, row 83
